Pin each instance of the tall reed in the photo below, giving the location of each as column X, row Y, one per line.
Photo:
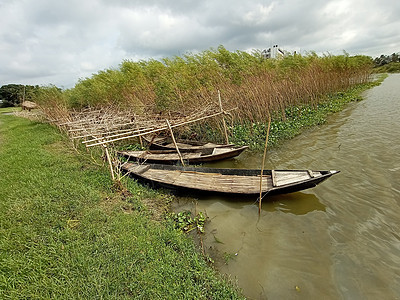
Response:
column 256, row 86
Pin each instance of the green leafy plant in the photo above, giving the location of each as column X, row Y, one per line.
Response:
column 184, row 221
column 229, row 256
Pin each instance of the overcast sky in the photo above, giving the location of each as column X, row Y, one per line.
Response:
column 57, row 42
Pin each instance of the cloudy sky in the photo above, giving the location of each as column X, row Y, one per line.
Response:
column 57, row 42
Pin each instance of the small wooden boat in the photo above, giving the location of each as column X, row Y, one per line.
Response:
column 193, row 157
column 165, row 143
column 226, row 181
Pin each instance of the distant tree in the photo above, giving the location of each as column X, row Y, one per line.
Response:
column 377, row 61
column 381, row 60
column 385, row 59
column 14, row 94
column 395, row 57
column 10, row 94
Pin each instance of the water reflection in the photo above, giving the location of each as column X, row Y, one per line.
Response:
column 299, row 203
column 296, row 203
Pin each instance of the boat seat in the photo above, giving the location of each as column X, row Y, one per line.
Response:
column 220, row 150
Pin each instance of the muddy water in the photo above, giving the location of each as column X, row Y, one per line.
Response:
column 340, row 240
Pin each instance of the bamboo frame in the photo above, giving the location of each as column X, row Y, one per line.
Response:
column 153, row 131
column 115, row 135
column 102, row 127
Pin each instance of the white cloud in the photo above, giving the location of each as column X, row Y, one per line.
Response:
column 259, row 14
column 337, row 8
column 58, row 42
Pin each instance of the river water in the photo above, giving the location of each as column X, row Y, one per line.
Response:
column 339, row 240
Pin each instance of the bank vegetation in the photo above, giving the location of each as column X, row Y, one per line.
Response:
column 252, row 88
column 69, row 231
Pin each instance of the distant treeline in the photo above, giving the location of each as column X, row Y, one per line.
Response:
column 386, row 59
column 256, row 86
column 14, row 94
column 387, row 63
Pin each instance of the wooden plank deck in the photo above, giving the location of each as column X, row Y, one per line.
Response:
column 287, row 177
column 229, row 180
column 210, row 181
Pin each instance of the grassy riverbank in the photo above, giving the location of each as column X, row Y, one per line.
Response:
column 67, row 233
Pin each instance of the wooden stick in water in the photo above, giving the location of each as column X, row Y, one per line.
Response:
column 262, row 166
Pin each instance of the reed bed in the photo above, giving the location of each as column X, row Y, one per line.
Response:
column 259, row 88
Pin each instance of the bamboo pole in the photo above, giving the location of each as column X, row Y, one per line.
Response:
column 173, row 139
column 118, row 135
column 109, row 162
column 223, row 119
column 262, row 166
column 90, row 134
column 140, row 138
column 99, row 125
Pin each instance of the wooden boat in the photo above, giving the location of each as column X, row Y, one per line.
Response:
column 192, row 157
column 165, row 143
column 226, row 181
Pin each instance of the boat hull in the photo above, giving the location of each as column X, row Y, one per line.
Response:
column 192, row 157
column 163, row 143
column 226, row 181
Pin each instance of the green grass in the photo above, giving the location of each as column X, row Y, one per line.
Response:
column 9, row 109
column 67, row 233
